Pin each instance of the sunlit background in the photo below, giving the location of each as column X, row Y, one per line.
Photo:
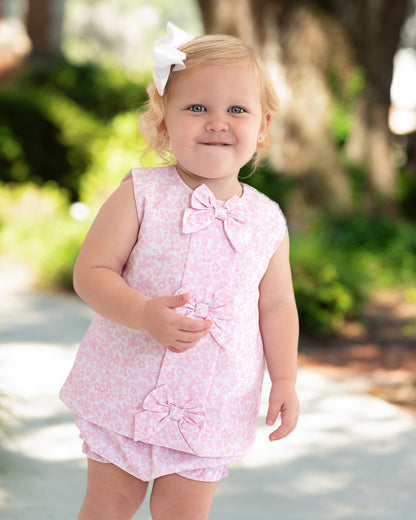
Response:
column 73, row 75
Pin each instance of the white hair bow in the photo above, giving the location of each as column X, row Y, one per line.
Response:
column 165, row 53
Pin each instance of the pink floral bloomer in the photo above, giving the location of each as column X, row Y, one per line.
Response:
column 153, row 412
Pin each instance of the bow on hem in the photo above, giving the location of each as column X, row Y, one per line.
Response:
column 159, row 409
column 218, row 308
column 166, row 53
column 204, row 209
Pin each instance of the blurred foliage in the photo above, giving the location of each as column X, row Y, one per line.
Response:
column 36, row 228
column 69, row 133
column 115, row 153
column 326, row 293
column 266, row 179
column 406, row 193
column 101, row 91
column 337, row 262
column 344, row 94
column 45, row 136
column 358, row 176
column 52, row 118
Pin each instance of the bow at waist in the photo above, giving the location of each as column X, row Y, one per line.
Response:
column 159, row 409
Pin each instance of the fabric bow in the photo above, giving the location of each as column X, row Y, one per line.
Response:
column 159, row 409
column 204, row 209
column 218, row 308
column 165, row 53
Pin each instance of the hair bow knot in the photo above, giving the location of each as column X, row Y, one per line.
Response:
column 166, row 53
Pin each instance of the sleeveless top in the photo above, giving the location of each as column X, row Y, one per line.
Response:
column 204, row 401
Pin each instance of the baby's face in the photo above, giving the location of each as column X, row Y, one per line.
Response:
column 214, row 120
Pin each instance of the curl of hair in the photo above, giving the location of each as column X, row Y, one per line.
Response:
column 205, row 50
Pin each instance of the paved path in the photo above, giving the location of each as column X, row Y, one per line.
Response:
column 352, row 457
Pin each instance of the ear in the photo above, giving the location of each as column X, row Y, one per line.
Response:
column 162, row 130
column 264, row 127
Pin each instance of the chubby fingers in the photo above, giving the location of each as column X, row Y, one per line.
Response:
column 289, row 421
column 284, row 401
column 169, row 328
column 186, row 324
column 188, row 333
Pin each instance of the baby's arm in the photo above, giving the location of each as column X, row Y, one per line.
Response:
column 98, row 281
column 280, row 330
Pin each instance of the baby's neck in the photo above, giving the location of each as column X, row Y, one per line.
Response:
column 223, row 189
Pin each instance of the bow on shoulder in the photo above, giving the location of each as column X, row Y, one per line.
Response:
column 159, row 409
column 205, row 209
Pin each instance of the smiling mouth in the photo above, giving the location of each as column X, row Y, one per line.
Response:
column 216, row 144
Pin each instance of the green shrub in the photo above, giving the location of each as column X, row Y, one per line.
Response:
column 44, row 136
column 328, row 289
column 345, row 92
column 270, row 182
column 103, row 91
column 55, row 117
column 337, row 263
column 114, row 154
column 36, row 228
column 406, row 193
column 387, row 247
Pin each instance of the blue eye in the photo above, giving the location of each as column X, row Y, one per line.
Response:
column 236, row 110
column 197, row 108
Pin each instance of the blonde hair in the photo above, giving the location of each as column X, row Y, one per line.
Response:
column 216, row 49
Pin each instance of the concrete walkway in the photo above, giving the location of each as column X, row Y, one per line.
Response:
column 352, row 457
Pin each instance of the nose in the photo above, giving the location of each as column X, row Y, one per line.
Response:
column 216, row 122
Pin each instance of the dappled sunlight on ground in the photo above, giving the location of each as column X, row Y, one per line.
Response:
column 337, row 464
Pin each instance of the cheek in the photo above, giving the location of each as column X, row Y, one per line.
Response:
column 185, row 136
column 180, row 139
column 250, row 142
column 251, row 134
column 181, row 145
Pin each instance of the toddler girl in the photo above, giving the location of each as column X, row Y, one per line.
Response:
column 188, row 271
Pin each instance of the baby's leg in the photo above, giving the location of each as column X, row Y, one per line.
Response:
column 112, row 494
column 179, row 498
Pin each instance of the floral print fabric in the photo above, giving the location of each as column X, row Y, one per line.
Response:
column 203, row 402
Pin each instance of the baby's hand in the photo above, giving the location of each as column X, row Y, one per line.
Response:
column 284, row 400
column 172, row 330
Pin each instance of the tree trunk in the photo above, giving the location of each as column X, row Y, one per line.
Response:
column 15, row 44
column 44, row 26
column 374, row 32
column 332, row 64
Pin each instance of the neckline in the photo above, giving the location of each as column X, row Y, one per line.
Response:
column 181, row 181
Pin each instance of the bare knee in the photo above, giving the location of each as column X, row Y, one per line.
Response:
column 177, row 498
column 179, row 511
column 111, row 506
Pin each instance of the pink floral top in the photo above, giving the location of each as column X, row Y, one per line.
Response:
column 204, row 401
